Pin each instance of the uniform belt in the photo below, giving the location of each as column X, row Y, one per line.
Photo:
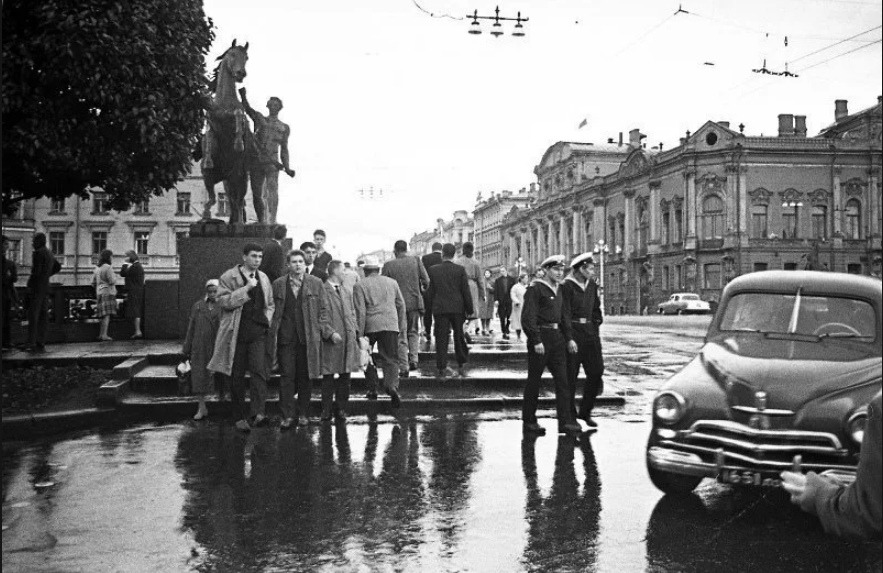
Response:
column 583, row 320
column 550, row 326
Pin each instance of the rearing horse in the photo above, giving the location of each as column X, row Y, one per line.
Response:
column 229, row 143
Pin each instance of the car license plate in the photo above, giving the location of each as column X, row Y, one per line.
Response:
column 747, row 477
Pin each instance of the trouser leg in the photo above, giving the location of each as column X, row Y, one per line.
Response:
column 7, row 321
column 257, row 365
column 427, row 317
column 302, row 383
column 461, row 350
column 34, row 305
column 402, row 351
column 371, row 378
column 594, row 367
column 387, row 342
column 286, row 359
column 556, row 362
column 504, row 312
column 43, row 320
column 327, row 394
column 536, row 363
column 237, row 383
column 413, row 336
column 342, row 391
column 442, row 334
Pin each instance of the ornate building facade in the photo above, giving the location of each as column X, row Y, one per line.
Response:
column 490, row 249
column 719, row 204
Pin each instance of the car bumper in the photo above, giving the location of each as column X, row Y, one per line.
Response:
column 671, row 460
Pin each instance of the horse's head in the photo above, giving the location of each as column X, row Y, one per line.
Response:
column 234, row 60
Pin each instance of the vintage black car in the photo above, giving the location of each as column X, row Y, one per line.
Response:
column 790, row 362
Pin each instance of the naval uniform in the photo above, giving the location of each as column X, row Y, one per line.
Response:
column 543, row 322
column 582, row 307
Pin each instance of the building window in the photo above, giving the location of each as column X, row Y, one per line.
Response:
column 854, row 268
column 679, row 226
column 643, row 229
column 99, row 203
column 142, row 238
column 99, row 241
column 612, row 236
column 57, row 206
column 677, row 278
column 789, row 222
column 760, row 267
column 56, row 242
column 590, row 240
column 142, row 207
column 666, row 228
column 223, row 205
column 178, row 236
column 759, row 228
column 14, row 252
column 820, row 222
column 712, row 275
column 183, row 203
column 666, row 278
column 712, row 217
column 621, row 241
column 853, row 219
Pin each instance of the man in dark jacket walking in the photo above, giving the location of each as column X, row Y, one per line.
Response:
column 430, row 260
column 43, row 266
column 502, row 286
column 583, row 307
column 450, row 303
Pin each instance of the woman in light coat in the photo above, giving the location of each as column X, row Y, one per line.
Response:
column 199, row 344
column 517, row 295
column 105, row 280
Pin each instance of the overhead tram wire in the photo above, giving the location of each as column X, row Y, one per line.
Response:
column 647, row 33
column 433, row 14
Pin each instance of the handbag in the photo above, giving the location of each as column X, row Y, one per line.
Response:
column 185, row 384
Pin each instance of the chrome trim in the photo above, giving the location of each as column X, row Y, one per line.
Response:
column 796, row 447
column 768, row 464
column 767, row 411
column 738, row 428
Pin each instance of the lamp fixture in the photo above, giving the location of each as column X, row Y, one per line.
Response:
column 496, row 27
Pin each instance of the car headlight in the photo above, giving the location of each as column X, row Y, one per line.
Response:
column 855, row 427
column 669, row 407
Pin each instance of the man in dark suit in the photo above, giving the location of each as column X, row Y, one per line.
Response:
column 450, row 302
column 309, row 251
column 430, row 260
column 273, row 264
column 43, row 266
column 502, row 286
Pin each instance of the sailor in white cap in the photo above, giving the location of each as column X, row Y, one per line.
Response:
column 546, row 327
column 583, row 309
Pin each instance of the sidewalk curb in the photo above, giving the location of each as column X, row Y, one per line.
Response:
column 28, row 426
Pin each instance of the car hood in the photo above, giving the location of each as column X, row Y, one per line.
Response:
column 788, row 384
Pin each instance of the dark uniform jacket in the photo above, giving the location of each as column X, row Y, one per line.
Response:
column 543, row 305
column 502, row 286
column 582, row 301
column 431, row 260
column 448, row 291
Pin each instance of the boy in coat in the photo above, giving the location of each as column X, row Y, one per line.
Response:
column 245, row 295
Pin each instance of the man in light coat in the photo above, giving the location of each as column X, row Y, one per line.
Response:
column 340, row 348
column 411, row 277
column 245, row 294
column 297, row 334
column 380, row 316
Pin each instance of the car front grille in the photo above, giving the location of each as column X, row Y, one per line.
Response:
column 742, row 445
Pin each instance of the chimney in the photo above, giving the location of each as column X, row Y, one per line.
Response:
column 609, row 140
column 724, row 124
column 879, row 100
column 840, row 109
column 620, row 139
column 786, row 125
column 660, row 146
column 683, row 140
column 635, row 137
column 800, row 125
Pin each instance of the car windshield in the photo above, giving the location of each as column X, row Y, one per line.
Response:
column 690, row 297
column 818, row 316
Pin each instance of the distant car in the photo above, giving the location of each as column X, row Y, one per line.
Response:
column 790, row 362
column 684, row 303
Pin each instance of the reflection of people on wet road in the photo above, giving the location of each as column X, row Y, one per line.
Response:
column 199, row 344
column 562, row 528
column 547, row 334
column 582, row 307
column 848, row 511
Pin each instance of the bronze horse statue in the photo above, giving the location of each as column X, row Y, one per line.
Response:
column 229, row 145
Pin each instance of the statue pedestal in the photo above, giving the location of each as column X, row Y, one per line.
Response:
column 212, row 248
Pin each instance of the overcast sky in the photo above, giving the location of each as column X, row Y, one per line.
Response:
column 380, row 94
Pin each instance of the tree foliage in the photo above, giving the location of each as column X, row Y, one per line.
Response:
column 101, row 93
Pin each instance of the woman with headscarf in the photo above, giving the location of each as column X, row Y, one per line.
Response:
column 105, row 292
column 199, row 344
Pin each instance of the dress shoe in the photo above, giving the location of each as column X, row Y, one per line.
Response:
column 302, row 421
column 325, row 418
column 463, row 371
column 259, row 420
column 412, row 366
column 371, row 395
column 534, row 428
column 588, row 420
column 242, row 426
column 570, row 429
column 396, row 401
column 286, row 423
column 200, row 415
column 340, row 416
column 445, row 374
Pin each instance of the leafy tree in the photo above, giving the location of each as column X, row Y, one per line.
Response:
column 101, row 93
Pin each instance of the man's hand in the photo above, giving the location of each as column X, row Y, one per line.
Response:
column 572, row 347
column 289, row 172
column 539, row 348
column 252, row 282
column 336, row 338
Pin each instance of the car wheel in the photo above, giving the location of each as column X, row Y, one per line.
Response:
column 659, row 311
column 680, row 311
column 673, row 484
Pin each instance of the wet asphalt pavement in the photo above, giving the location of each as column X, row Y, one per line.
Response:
column 454, row 492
